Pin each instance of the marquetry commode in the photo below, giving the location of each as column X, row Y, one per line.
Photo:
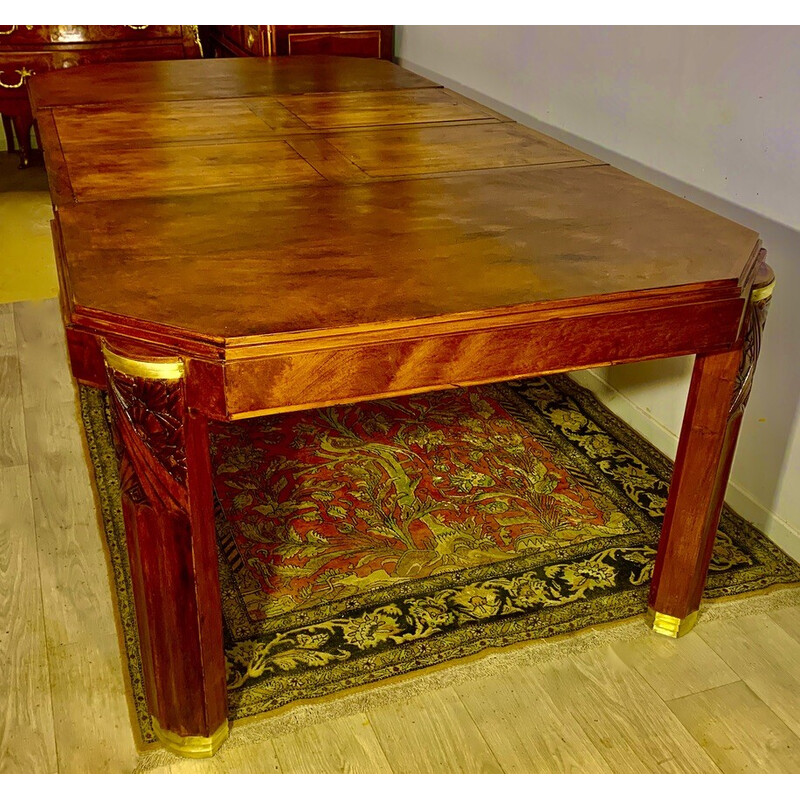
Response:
column 241, row 237
column 361, row 41
column 27, row 50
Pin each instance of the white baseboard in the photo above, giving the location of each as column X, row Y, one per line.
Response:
column 777, row 529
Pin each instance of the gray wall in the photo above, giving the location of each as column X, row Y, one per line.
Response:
column 710, row 113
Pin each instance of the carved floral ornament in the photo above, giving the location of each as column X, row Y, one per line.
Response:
column 154, row 411
column 754, row 328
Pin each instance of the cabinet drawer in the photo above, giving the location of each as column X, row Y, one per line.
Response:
column 366, row 44
column 17, row 65
column 21, row 35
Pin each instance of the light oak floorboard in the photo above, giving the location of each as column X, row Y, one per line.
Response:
column 432, row 733
column 76, row 593
column 675, row 667
column 27, row 741
column 526, row 729
column 12, row 421
column 90, row 711
column 738, row 730
column 789, row 620
column 8, row 335
column 624, row 718
column 42, row 349
column 766, row 657
column 346, row 745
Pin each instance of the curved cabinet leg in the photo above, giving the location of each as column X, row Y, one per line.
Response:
column 165, row 477
column 718, row 394
column 22, row 127
column 9, row 132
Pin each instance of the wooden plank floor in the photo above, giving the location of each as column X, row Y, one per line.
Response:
column 724, row 699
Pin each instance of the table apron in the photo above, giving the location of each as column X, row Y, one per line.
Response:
column 315, row 378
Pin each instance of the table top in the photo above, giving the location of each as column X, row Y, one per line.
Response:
column 252, row 200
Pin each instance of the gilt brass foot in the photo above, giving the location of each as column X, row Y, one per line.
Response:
column 191, row 746
column 670, row 626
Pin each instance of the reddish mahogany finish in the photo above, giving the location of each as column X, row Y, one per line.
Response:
column 167, row 503
column 718, row 394
column 297, row 232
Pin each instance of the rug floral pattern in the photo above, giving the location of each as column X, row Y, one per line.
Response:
column 363, row 542
column 326, row 505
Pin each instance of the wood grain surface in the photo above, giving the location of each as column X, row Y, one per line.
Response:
column 254, row 264
column 738, row 730
column 355, row 109
column 123, row 84
column 620, row 716
column 100, row 175
column 448, row 740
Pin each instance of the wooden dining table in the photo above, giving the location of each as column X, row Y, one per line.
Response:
column 241, row 237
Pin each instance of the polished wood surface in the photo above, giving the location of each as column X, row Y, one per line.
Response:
column 290, row 247
column 342, row 110
column 190, row 169
column 134, row 83
column 251, row 263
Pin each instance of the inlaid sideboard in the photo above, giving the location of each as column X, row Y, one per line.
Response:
column 27, row 50
column 364, row 41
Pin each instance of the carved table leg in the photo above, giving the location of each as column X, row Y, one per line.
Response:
column 718, row 393
column 165, row 477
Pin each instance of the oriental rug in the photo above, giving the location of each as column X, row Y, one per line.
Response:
column 365, row 542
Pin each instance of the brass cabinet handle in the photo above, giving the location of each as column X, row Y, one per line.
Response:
column 23, row 74
column 13, row 28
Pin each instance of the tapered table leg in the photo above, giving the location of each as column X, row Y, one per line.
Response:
column 718, row 393
column 166, row 487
